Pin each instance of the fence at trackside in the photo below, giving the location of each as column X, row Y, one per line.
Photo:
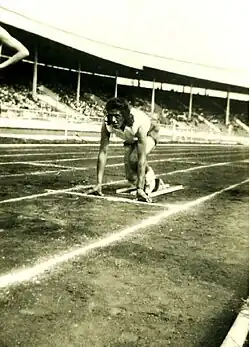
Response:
column 16, row 122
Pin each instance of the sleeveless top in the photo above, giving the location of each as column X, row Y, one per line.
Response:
column 129, row 133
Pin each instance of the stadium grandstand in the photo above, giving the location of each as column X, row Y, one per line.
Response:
column 68, row 77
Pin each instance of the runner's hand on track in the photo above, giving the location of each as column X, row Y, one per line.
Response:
column 96, row 190
column 142, row 196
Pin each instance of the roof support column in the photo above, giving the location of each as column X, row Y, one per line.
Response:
column 116, row 85
column 153, row 98
column 78, row 85
column 34, row 83
column 190, row 103
column 227, row 109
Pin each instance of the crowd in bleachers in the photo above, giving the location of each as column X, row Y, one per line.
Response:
column 17, row 99
column 17, row 96
column 171, row 107
column 88, row 105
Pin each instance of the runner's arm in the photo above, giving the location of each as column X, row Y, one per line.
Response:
column 7, row 39
column 103, row 152
column 142, row 141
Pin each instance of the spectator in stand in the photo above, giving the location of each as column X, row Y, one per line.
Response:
column 19, row 98
column 230, row 129
column 7, row 39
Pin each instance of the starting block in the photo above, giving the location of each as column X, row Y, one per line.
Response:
column 166, row 189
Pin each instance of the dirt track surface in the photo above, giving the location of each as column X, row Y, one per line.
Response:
column 178, row 281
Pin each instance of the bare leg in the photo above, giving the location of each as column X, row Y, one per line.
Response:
column 131, row 163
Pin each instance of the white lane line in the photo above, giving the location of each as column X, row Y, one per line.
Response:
column 80, row 150
column 154, row 153
column 161, row 144
column 201, row 167
column 75, row 168
column 114, row 156
column 34, row 196
column 30, row 273
column 237, row 335
column 110, row 157
column 48, row 165
column 34, row 173
column 56, row 192
column 64, row 159
column 67, row 169
column 38, row 154
column 74, row 159
column 80, row 158
column 59, row 191
column 48, row 145
column 194, row 168
column 47, row 151
column 180, row 159
column 151, row 155
column 56, row 160
column 118, row 199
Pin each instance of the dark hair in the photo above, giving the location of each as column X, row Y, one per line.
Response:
column 122, row 105
column 117, row 104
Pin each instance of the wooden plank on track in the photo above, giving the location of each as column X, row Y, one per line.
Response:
column 168, row 189
column 125, row 190
column 118, row 199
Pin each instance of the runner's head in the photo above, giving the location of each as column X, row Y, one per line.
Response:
column 118, row 113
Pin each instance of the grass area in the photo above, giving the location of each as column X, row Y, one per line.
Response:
column 178, row 283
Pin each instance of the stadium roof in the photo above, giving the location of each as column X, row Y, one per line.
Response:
column 98, row 56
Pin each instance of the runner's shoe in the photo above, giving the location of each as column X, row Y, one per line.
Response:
column 159, row 185
column 149, row 181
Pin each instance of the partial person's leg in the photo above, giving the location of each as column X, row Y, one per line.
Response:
column 152, row 183
column 131, row 163
column 149, row 175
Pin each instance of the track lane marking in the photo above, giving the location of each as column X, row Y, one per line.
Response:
column 75, row 168
column 59, row 191
column 40, row 268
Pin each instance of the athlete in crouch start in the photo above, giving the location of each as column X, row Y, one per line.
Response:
column 140, row 134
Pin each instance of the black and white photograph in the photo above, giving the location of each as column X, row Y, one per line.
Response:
column 124, row 173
